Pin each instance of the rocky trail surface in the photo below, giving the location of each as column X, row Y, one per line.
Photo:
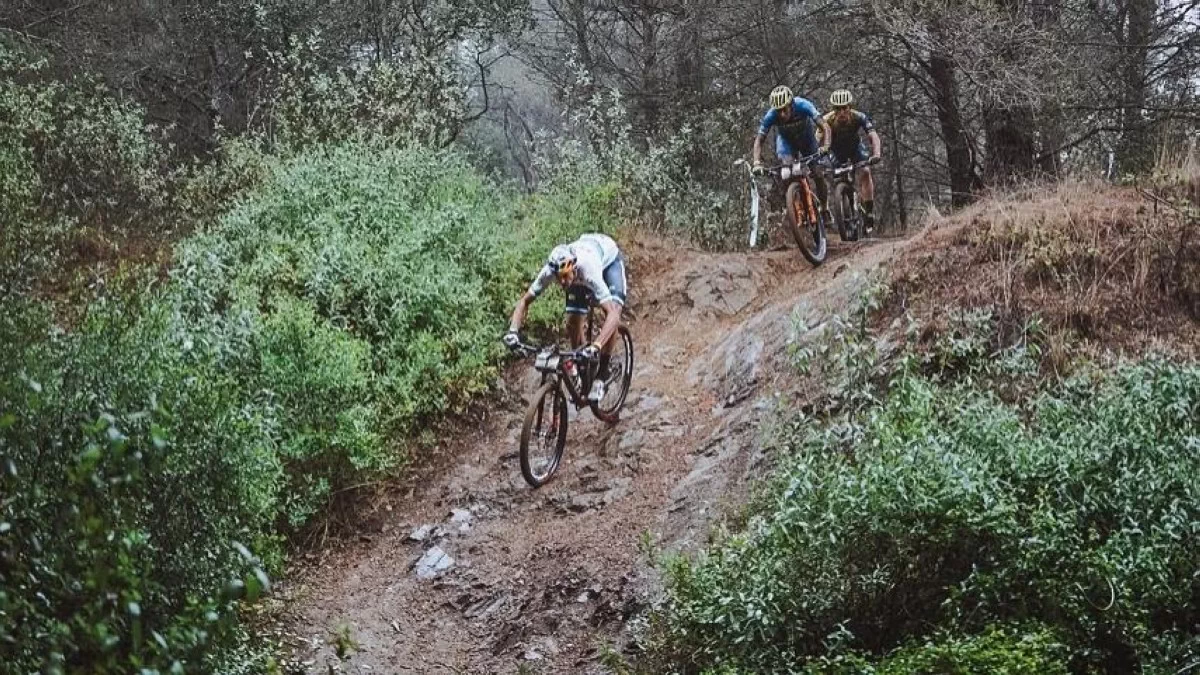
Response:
column 467, row 570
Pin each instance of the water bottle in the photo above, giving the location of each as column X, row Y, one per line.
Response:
column 573, row 373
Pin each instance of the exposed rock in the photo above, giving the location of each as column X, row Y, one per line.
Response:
column 421, row 533
column 584, row 502
column 598, row 495
column 485, row 607
column 632, row 440
column 462, row 518
column 725, row 290
column 649, row 403
column 434, row 562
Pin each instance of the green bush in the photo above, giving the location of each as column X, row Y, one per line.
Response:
column 997, row 651
column 957, row 511
column 406, row 251
column 357, row 292
column 129, row 474
column 72, row 156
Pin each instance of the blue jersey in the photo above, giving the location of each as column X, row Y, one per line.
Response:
column 798, row 133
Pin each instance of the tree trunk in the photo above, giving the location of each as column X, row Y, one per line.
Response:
column 647, row 94
column 963, row 180
column 898, row 153
column 1010, row 151
column 1135, row 154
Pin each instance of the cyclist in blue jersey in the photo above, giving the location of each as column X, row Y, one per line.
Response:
column 795, row 121
column 590, row 269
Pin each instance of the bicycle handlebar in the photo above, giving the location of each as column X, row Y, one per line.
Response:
column 774, row 169
column 526, row 350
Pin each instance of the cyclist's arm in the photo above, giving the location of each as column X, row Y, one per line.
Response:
column 612, row 321
column 535, row 289
column 876, row 143
column 519, row 312
column 826, row 133
column 764, row 126
column 865, row 124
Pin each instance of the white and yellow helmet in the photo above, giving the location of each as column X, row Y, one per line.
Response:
column 562, row 260
column 840, row 98
column 780, row 97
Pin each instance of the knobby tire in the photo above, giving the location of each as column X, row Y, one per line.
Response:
column 612, row 413
column 848, row 223
column 535, row 416
column 796, row 214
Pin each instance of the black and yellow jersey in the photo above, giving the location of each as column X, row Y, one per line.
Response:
column 845, row 125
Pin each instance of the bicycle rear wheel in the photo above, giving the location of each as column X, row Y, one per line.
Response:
column 809, row 236
column 544, row 436
column 620, row 375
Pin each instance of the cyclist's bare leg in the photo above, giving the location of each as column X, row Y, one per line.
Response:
column 607, row 347
column 866, row 185
column 866, row 193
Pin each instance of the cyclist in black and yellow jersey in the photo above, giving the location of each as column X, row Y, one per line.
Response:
column 845, row 123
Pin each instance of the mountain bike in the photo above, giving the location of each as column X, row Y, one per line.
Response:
column 801, row 212
column 845, row 207
column 567, row 377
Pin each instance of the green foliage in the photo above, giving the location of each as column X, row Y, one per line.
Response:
column 999, row 650
column 71, row 156
column 124, row 482
column 353, row 293
column 319, row 385
column 1077, row 510
column 315, row 104
column 652, row 182
column 407, row 252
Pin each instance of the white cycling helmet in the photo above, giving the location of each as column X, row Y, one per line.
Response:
column 562, row 260
column 840, row 98
column 780, row 97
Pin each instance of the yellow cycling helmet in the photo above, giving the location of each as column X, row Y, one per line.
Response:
column 841, row 98
column 780, row 97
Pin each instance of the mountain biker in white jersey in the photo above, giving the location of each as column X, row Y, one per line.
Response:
column 589, row 269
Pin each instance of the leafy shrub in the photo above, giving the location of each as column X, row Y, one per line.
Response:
column 129, row 474
column 352, row 293
column 654, row 182
column 999, row 650
column 318, row 382
column 71, row 156
column 1077, row 510
column 407, row 251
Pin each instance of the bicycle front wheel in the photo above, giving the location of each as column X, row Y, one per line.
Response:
column 620, row 374
column 809, row 235
column 847, row 213
column 544, row 436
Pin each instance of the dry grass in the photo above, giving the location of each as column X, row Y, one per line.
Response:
column 1111, row 267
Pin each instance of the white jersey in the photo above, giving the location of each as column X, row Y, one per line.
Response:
column 593, row 254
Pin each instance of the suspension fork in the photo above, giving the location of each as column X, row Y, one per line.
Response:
column 809, row 198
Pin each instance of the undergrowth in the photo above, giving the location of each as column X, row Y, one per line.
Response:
column 1109, row 266
column 959, row 511
column 294, row 350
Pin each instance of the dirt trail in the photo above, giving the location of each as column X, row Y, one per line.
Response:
column 540, row 578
